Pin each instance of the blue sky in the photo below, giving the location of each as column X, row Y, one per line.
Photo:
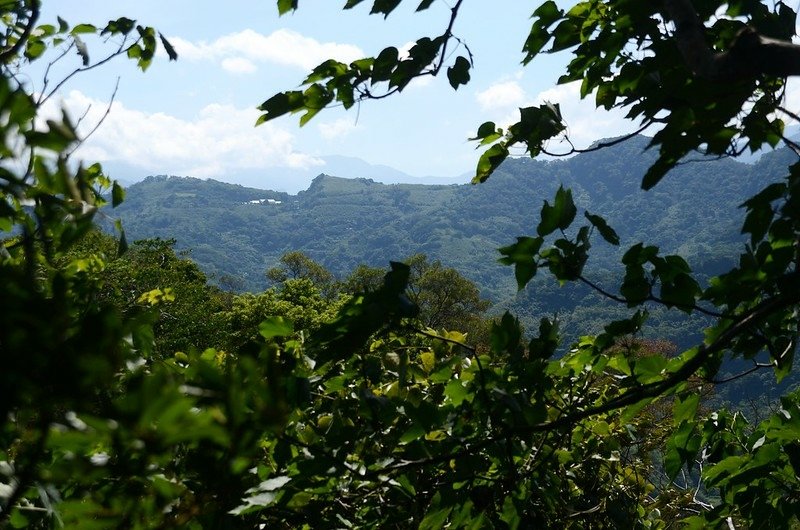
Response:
column 195, row 116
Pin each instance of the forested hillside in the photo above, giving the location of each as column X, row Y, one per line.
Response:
column 134, row 394
column 235, row 234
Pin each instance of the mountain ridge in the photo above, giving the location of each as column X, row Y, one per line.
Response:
column 236, row 232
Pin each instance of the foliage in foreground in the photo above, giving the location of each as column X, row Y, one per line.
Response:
column 372, row 419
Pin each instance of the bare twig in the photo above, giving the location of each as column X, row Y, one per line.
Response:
column 46, row 77
column 99, row 122
column 755, row 368
column 446, row 36
column 599, row 145
column 652, row 298
column 122, row 49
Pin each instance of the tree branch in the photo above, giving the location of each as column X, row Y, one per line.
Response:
column 122, row 49
column 96, row 125
column 750, row 55
column 756, row 367
column 760, row 312
column 652, row 298
column 599, row 145
column 9, row 52
column 757, row 314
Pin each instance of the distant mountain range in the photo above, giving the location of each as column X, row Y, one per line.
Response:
column 293, row 180
column 236, row 232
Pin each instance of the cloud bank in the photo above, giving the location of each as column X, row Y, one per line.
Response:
column 219, row 141
column 241, row 52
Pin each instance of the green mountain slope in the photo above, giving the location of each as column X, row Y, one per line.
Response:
column 237, row 232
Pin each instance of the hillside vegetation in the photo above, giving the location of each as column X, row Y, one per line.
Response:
column 134, row 394
column 235, row 233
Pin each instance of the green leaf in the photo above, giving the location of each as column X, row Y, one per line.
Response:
column 424, row 4
column 254, row 503
column 416, row 432
column 384, row 6
column 122, row 246
column 537, row 39
column 83, row 28
column 657, row 171
column 435, row 519
column 685, row 409
column 505, row 335
column 545, row 345
column 59, row 136
column 601, row 225
column 548, row 12
column 385, row 64
column 117, row 194
column 315, row 98
column 173, row 55
column 275, row 327
column 82, row 50
column 284, row 6
column 122, row 26
column 428, row 360
column 680, row 292
column 18, row 520
column 627, row 326
column 487, row 133
column 558, row 216
column 273, row 484
column 758, row 220
column 522, row 255
column 537, row 125
column 631, row 411
column 280, row 104
column 682, row 447
column 34, row 49
column 509, row 514
column 565, row 35
column 672, row 462
column 724, row 468
column 649, row 368
column 456, row 392
column 458, row 74
column 489, row 161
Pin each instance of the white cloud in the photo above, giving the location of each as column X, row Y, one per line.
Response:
column 420, row 82
column 337, row 129
column 282, row 46
column 187, row 50
column 238, row 65
column 501, row 96
column 218, row 141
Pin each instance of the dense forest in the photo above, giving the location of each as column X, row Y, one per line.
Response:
column 342, row 222
column 235, row 233
column 354, row 356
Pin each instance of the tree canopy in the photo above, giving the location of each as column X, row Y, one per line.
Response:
column 363, row 418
